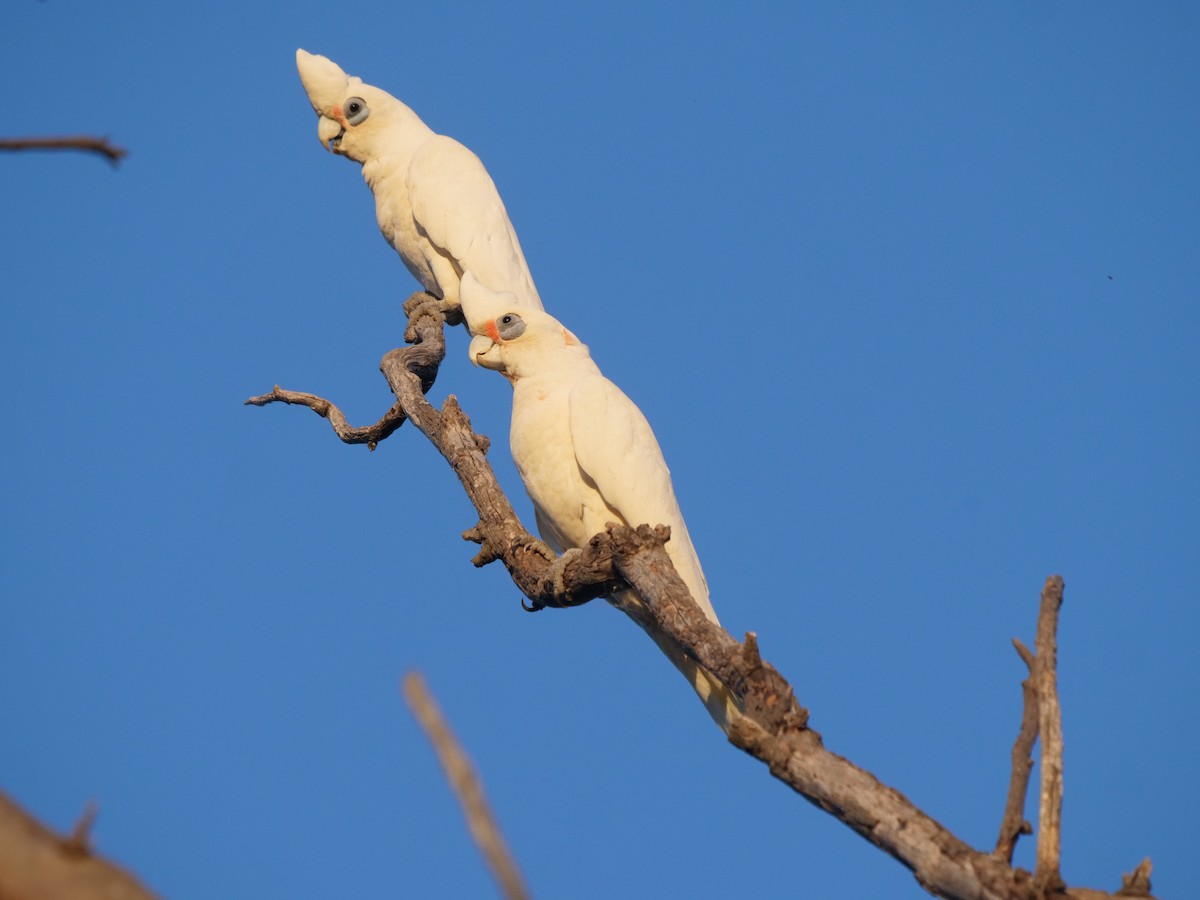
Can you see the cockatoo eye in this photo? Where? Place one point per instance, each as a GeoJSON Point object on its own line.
{"type": "Point", "coordinates": [510, 326]}
{"type": "Point", "coordinates": [356, 110]}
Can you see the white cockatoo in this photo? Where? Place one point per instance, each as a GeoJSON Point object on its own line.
{"type": "Point", "coordinates": [435, 202]}
{"type": "Point", "coordinates": [586, 453]}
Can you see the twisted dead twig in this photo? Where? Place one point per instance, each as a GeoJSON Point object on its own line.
{"type": "Point", "coordinates": [86, 143]}
{"type": "Point", "coordinates": [423, 358]}
{"type": "Point", "coordinates": [465, 783]}
{"type": "Point", "coordinates": [771, 725]}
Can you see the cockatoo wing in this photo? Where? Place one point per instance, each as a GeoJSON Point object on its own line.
{"type": "Point", "coordinates": [616, 449]}
{"type": "Point", "coordinates": [456, 205]}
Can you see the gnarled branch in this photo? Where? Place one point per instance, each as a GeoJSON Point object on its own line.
{"type": "Point", "coordinates": [422, 358]}
{"type": "Point", "coordinates": [771, 725]}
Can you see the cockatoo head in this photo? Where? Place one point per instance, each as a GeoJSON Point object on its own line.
{"type": "Point", "coordinates": [515, 340]}
{"type": "Point", "coordinates": [354, 117]}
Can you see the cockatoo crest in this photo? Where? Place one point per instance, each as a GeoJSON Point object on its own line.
{"type": "Point", "coordinates": [354, 117]}
{"type": "Point", "coordinates": [325, 82]}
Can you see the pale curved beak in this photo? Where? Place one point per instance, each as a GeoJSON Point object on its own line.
{"type": "Point", "coordinates": [330, 132]}
{"type": "Point", "coordinates": [485, 352]}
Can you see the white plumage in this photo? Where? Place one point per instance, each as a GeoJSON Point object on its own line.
{"type": "Point", "coordinates": [434, 200]}
{"type": "Point", "coordinates": [586, 453]}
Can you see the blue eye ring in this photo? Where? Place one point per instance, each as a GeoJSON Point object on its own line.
{"type": "Point", "coordinates": [356, 110]}
{"type": "Point", "coordinates": [510, 326]}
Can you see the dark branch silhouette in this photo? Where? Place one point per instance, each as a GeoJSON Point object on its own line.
{"type": "Point", "coordinates": [83, 142]}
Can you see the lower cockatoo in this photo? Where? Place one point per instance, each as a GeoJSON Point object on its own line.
{"type": "Point", "coordinates": [434, 200]}
{"type": "Point", "coordinates": [586, 453]}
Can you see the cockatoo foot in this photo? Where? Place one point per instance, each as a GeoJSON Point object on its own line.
{"type": "Point", "coordinates": [558, 568]}
{"type": "Point", "coordinates": [423, 303]}
{"type": "Point", "coordinates": [419, 299]}
{"type": "Point", "coordinates": [542, 549]}
{"type": "Point", "coordinates": [452, 312]}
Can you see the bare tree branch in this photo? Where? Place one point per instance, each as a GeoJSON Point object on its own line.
{"type": "Point", "coordinates": [424, 332]}
{"type": "Point", "coordinates": [1013, 825]}
{"type": "Point", "coordinates": [771, 726]}
{"type": "Point", "coordinates": [84, 142]}
{"type": "Point", "coordinates": [37, 864]}
{"type": "Point", "coordinates": [467, 786]}
{"type": "Point", "coordinates": [1046, 875]}
{"type": "Point", "coordinates": [370, 435]}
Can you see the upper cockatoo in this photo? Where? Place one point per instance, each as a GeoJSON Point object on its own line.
{"type": "Point", "coordinates": [586, 453]}
{"type": "Point", "coordinates": [435, 202]}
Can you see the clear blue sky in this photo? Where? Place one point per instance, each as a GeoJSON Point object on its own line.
{"type": "Point", "coordinates": [908, 292]}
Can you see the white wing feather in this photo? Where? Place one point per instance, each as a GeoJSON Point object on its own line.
{"type": "Point", "coordinates": [617, 450]}
{"type": "Point", "coordinates": [456, 205]}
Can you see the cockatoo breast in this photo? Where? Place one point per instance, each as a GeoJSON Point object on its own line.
{"type": "Point", "coordinates": [544, 454]}
{"type": "Point", "coordinates": [387, 177]}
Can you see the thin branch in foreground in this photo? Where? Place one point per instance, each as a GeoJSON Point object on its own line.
{"type": "Point", "coordinates": [1046, 875]}
{"type": "Point", "coordinates": [1014, 824]}
{"type": "Point", "coordinates": [83, 142]}
{"type": "Point", "coordinates": [466, 784]}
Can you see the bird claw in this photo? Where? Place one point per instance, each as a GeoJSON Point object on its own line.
{"type": "Point", "coordinates": [542, 549]}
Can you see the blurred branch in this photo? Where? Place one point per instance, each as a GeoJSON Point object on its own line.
{"type": "Point", "coordinates": [36, 863]}
{"type": "Point", "coordinates": [465, 783]}
{"type": "Point", "coordinates": [770, 724]}
{"type": "Point", "coordinates": [83, 142]}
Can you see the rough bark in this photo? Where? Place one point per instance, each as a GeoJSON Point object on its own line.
{"type": "Point", "coordinates": [1045, 681]}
